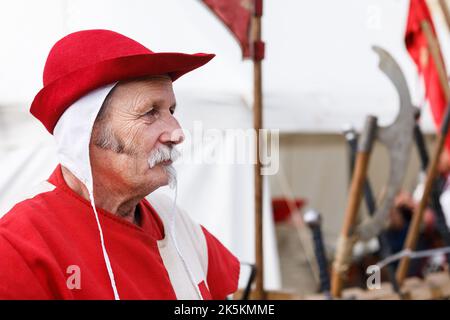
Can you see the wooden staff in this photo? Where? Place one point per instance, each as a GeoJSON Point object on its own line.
{"type": "Point", "coordinates": [413, 231]}
{"type": "Point", "coordinates": [257, 125]}
{"type": "Point", "coordinates": [446, 12]}
{"type": "Point", "coordinates": [435, 51]}
{"type": "Point", "coordinates": [345, 242]}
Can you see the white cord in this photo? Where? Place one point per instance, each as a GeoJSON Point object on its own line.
{"type": "Point", "coordinates": [105, 253]}
{"type": "Point", "coordinates": [412, 255]}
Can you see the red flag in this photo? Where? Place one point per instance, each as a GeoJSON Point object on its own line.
{"type": "Point", "coordinates": [236, 15]}
{"type": "Point", "coordinates": [282, 207]}
{"type": "Point", "coordinates": [417, 46]}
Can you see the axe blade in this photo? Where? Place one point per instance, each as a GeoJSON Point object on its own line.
{"type": "Point", "coordinates": [398, 139]}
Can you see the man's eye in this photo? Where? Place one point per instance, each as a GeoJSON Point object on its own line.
{"type": "Point", "coordinates": [152, 113]}
{"type": "Point", "coordinates": [172, 110]}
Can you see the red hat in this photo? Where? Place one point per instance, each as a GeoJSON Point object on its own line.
{"type": "Point", "coordinates": [85, 60]}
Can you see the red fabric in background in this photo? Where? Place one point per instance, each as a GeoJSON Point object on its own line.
{"type": "Point", "coordinates": [236, 15]}
{"type": "Point", "coordinates": [282, 210]}
{"type": "Point", "coordinates": [417, 46]}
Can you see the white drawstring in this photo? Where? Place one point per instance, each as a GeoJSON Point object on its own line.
{"type": "Point", "coordinates": [105, 253]}
{"type": "Point", "coordinates": [412, 255]}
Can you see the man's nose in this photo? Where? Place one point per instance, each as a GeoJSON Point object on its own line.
{"type": "Point", "coordinates": [174, 134]}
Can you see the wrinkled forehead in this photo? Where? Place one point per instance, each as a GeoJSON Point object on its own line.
{"type": "Point", "coordinates": [137, 95]}
{"type": "Point", "coordinates": [147, 79]}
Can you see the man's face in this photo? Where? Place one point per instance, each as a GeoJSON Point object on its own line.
{"type": "Point", "coordinates": [132, 128]}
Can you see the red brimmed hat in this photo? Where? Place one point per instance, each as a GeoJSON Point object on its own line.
{"type": "Point", "coordinates": [85, 60]}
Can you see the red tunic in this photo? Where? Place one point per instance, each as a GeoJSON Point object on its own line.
{"type": "Point", "coordinates": [51, 241]}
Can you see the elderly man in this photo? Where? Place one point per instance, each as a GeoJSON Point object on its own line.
{"type": "Point", "coordinates": [88, 232]}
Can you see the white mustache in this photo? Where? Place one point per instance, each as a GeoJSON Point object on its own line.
{"type": "Point", "coordinates": [163, 153]}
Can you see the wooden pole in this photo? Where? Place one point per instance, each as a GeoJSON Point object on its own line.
{"type": "Point", "coordinates": [345, 244]}
{"type": "Point", "coordinates": [413, 231]}
{"type": "Point", "coordinates": [446, 12]}
{"type": "Point", "coordinates": [257, 125]}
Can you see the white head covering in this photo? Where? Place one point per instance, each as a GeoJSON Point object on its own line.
{"type": "Point", "coordinates": [73, 134]}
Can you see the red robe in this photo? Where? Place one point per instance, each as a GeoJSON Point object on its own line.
{"type": "Point", "coordinates": [50, 249]}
